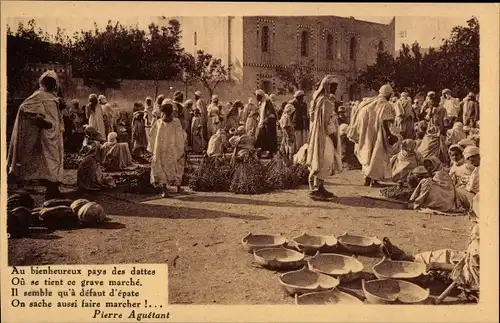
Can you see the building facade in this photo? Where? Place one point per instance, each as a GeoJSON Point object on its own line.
{"type": "Point", "coordinates": [256, 46]}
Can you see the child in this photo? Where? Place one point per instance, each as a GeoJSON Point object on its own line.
{"type": "Point", "coordinates": [167, 143]}
{"type": "Point", "coordinates": [288, 131]}
{"type": "Point", "coordinates": [460, 170]}
{"type": "Point", "coordinates": [197, 140]}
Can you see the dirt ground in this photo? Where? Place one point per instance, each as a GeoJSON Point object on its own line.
{"type": "Point", "coordinates": [199, 235]}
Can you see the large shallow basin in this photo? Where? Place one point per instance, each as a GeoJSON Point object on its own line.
{"type": "Point", "coordinates": [392, 291]}
{"type": "Point", "coordinates": [259, 241]}
{"type": "Point", "coordinates": [310, 244]}
{"type": "Point", "coordinates": [360, 244]}
{"type": "Point", "coordinates": [279, 258]}
{"type": "Point", "coordinates": [329, 297]}
{"type": "Point", "coordinates": [405, 270]}
{"type": "Point", "coordinates": [344, 268]}
{"type": "Point", "coordinates": [306, 281]}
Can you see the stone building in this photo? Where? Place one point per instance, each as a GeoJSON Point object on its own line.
{"type": "Point", "coordinates": [256, 46]}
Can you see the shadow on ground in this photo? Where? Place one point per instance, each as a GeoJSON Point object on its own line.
{"type": "Point", "coordinates": [114, 207]}
{"type": "Point", "coordinates": [240, 200]}
{"type": "Point", "coordinates": [360, 201]}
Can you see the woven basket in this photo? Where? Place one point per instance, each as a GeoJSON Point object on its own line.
{"type": "Point", "coordinates": [305, 281]}
{"type": "Point", "coordinates": [259, 241]}
{"type": "Point", "coordinates": [279, 258]}
{"type": "Point", "coordinates": [311, 244]}
{"type": "Point", "coordinates": [404, 270]}
{"type": "Point", "coordinates": [360, 244]}
{"type": "Point", "coordinates": [329, 297]}
{"type": "Point", "coordinates": [391, 291]}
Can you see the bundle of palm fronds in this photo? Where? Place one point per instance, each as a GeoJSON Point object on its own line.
{"type": "Point", "coordinates": [299, 174]}
{"type": "Point", "coordinates": [278, 175]}
{"type": "Point", "coordinates": [213, 175]}
{"type": "Point", "coordinates": [397, 192]}
{"type": "Point", "coordinates": [249, 175]}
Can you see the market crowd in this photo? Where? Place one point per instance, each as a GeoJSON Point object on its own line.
{"type": "Point", "coordinates": [429, 148]}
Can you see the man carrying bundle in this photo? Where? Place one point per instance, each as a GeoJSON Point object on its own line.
{"type": "Point", "coordinates": [323, 154]}
{"type": "Point", "coordinates": [370, 131]}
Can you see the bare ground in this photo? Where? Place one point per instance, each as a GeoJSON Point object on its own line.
{"type": "Point", "coordinates": [199, 235]}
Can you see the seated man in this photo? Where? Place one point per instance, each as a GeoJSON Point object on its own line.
{"type": "Point", "coordinates": [471, 155]}
{"type": "Point", "coordinates": [116, 155]}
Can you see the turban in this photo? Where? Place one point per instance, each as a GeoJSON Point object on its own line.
{"type": "Point", "coordinates": [197, 93]}
{"type": "Point", "coordinates": [49, 74]}
{"type": "Point", "coordinates": [149, 99]}
{"type": "Point", "coordinates": [215, 97]}
{"type": "Point", "coordinates": [470, 151]}
{"type": "Point", "coordinates": [466, 142]}
{"type": "Point", "coordinates": [404, 94]}
{"type": "Point", "coordinates": [298, 93]}
{"type": "Point", "coordinates": [260, 92]}
{"type": "Point", "coordinates": [471, 95]}
{"type": "Point", "coordinates": [102, 99]}
{"type": "Point", "coordinates": [327, 80]}
{"type": "Point", "coordinates": [92, 97]}
{"type": "Point", "coordinates": [343, 129]}
{"type": "Point", "coordinates": [237, 103]}
{"type": "Point", "coordinates": [272, 97]}
{"type": "Point", "coordinates": [431, 93]}
{"type": "Point", "coordinates": [385, 90]}
{"type": "Point", "coordinates": [446, 91]}
{"type": "Point", "coordinates": [452, 147]}
{"type": "Point", "coordinates": [167, 101]}
{"type": "Point", "coordinates": [241, 129]}
{"type": "Point", "coordinates": [188, 102]}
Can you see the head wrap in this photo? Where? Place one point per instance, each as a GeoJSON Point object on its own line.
{"type": "Point", "coordinates": [465, 143]}
{"type": "Point", "coordinates": [260, 92]}
{"type": "Point", "coordinates": [385, 90]}
{"type": "Point", "coordinates": [49, 74]}
{"type": "Point", "coordinates": [112, 137]}
{"type": "Point", "coordinates": [431, 93]}
{"type": "Point", "coordinates": [289, 108]}
{"type": "Point", "coordinates": [241, 130]}
{"type": "Point", "coordinates": [178, 95]}
{"type": "Point", "coordinates": [298, 93]}
{"type": "Point", "coordinates": [471, 95]}
{"type": "Point", "coordinates": [149, 99]}
{"type": "Point", "coordinates": [452, 147]}
{"type": "Point", "coordinates": [466, 128]}
{"type": "Point", "coordinates": [446, 91]}
{"type": "Point", "coordinates": [323, 85]}
{"type": "Point", "coordinates": [102, 99]}
{"type": "Point", "coordinates": [160, 98]}
{"type": "Point", "coordinates": [470, 151]}
{"type": "Point", "coordinates": [188, 102]}
{"type": "Point", "coordinates": [404, 94]}
{"type": "Point", "coordinates": [238, 104]}
{"type": "Point", "coordinates": [343, 129]}
{"type": "Point", "coordinates": [198, 93]}
{"type": "Point", "coordinates": [215, 97]}
{"type": "Point", "coordinates": [92, 96]}
{"type": "Point", "coordinates": [273, 97]}
{"type": "Point", "coordinates": [167, 101]}
{"type": "Point", "coordinates": [458, 126]}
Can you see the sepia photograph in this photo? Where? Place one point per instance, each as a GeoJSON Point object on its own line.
{"type": "Point", "coordinates": [267, 159]}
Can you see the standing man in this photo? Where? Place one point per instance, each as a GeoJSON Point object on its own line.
{"type": "Point", "coordinates": [201, 105]}
{"type": "Point", "coordinates": [470, 111]}
{"type": "Point", "coordinates": [299, 119]}
{"type": "Point", "coordinates": [36, 149]}
{"type": "Point", "coordinates": [452, 105]}
{"type": "Point", "coordinates": [370, 131]}
{"type": "Point", "coordinates": [266, 133]}
{"type": "Point", "coordinates": [324, 152]}
{"type": "Point", "coordinates": [404, 116]}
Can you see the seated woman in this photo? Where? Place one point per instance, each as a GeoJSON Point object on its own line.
{"type": "Point", "coordinates": [242, 143]}
{"type": "Point", "coordinates": [460, 170]}
{"type": "Point", "coordinates": [90, 175]}
{"type": "Point", "coordinates": [454, 135]}
{"type": "Point", "coordinates": [116, 155]}
{"type": "Point", "coordinates": [437, 192]}
{"type": "Point", "coordinates": [433, 145]}
{"type": "Point", "coordinates": [462, 265]}
{"type": "Point", "coordinates": [217, 143]}
{"type": "Point", "coordinates": [405, 161]}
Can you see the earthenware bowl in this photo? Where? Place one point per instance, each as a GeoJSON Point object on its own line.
{"type": "Point", "coordinates": [329, 297]}
{"type": "Point", "coordinates": [359, 244]}
{"type": "Point", "coordinates": [392, 291]}
{"type": "Point", "coordinates": [310, 244]}
{"type": "Point", "coordinates": [344, 268]}
{"type": "Point", "coordinates": [404, 270]}
{"type": "Point", "coordinates": [305, 281]}
{"type": "Point", "coordinates": [259, 241]}
{"type": "Point", "coordinates": [279, 258]}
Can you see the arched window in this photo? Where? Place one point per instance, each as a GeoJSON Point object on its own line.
{"type": "Point", "coordinates": [329, 47]}
{"type": "Point", "coordinates": [265, 39]}
{"type": "Point", "coordinates": [381, 46]}
{"type": "Point", "coordinates": [352, 49]}
{"type": "Point", "coordinates": [304, 44]}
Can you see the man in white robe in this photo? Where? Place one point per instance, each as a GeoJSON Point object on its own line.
{"type": "Point", "coordinates": [370, 131]}
{"type": "Point", "coordinates": [36, 149]}
{"type": "Point", "coordinates": [324, 150]}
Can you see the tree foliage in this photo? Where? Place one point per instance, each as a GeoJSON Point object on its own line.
{"type": "Point", "coordinates": [296, 77]}
{"type": "Point", "coordinates": [103, 57]}
{"type": "Point", "coordinates": [454, 65]}
{"type": "Point", "coordinates": [209, 70]}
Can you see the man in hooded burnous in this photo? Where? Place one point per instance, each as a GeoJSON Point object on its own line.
{"type": "Point", "coordinates": [323, 153]}
{"type": "Point", "coordinates": [370, 131]}
{"type": "Point", "coordinates": [36, 147]}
